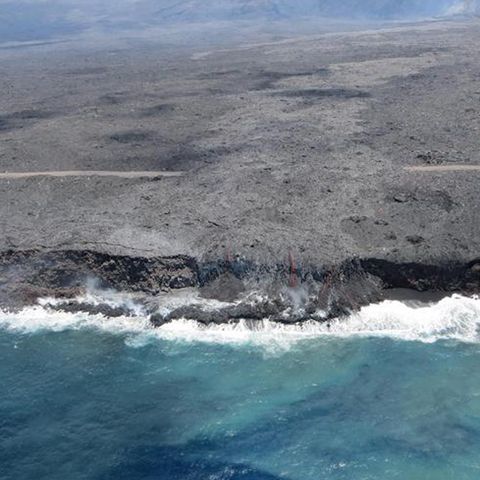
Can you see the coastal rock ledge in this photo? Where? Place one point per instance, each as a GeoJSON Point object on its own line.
{"type": "Point", "coordinates": [240, 289]}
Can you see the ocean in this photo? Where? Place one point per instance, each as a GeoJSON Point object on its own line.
{"type": "Point", "coordinates": [392, 392]}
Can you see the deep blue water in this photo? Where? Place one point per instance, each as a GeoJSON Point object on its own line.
{"type": "Point", "coordinates": [87, 404]}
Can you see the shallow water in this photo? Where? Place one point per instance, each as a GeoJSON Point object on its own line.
{"type": "Point", "coordinates": [92, 398]}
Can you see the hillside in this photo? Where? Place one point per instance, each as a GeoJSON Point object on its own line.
{"type": "Point", "coordinates": [25, 20]}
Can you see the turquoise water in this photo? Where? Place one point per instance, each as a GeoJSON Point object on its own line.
{"type": "Point", "coordinates": [85, 403]}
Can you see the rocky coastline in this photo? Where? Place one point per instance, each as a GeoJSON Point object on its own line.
{"type": "Point", "coordinates": [295, 180]}
{"type": "Point", "coordinates": [288, 293]}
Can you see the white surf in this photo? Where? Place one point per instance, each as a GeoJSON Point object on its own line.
{"type": "Point", "coordinates": [456, 317]}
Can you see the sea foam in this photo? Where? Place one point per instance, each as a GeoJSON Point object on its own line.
{"type": "Point", "coordinates": [456, 317]}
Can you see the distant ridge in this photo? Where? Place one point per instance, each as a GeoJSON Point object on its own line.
{"type": "Point", "coordinates": [198, 10]}
{"type": "Point", "coordinates": [24, 20]}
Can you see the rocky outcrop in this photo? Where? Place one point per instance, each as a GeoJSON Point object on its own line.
{"type": "Point", "coordinates": [32, 273]}
{"type": "Point", "coordinates": [242, 290]}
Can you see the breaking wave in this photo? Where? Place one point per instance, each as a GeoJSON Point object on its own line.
{"type": "Point", "coordinates": [456, 317]}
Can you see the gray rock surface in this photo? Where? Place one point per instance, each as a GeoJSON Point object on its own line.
{"type": "Point", "coordinates": [294, 146]}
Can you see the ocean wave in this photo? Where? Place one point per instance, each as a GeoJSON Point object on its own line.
{"type": "Point", "coordinates": [456, 317]}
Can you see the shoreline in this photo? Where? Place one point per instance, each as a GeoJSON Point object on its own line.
{"type": "Point", "coordinates": [238, 289]}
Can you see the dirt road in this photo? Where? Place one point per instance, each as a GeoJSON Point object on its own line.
{"type": "Point", "coordinates": [444, 168]}
{"type": "Point", "coordinates": [88, 173]}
